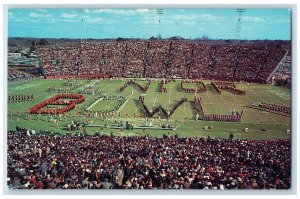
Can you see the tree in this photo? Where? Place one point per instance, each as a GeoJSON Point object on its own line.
{"type": "Point", "coordinates": [43, 42]}
{"type": "Point", "coordinates": [120, 39]}
{"type": "Point", "coordinates": [204, 37]}
{"type": "Point", "coordinates": [32, 47]}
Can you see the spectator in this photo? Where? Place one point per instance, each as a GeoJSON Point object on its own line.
{"type": "Point", "coordinates": [251, 61]}
{"type": "Point", "coordinates": [111, 162]}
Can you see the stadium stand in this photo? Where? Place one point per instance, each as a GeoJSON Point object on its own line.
{"type": "Point", "coordinates": [17, 75]}
{"type": "Point", "coordinates": [47, 160]}
{"type": "Point", "coordinates": [249, 61]}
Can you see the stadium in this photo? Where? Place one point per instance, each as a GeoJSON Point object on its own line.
{"type": "Point", "coordinates": [152, 113]}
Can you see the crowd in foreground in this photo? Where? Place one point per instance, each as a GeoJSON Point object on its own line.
{"type": "Point", "coordinates": [54, 161]}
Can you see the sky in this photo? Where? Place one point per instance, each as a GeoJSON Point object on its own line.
{"type": "Point", "coordinates": [143, 23]}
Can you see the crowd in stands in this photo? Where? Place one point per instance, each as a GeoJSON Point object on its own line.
{"type": "Point", "coordinates": [250, 61]}
{"type": "Point", "coordinates": [282, 74]}
{"type": "Point", "coordinates": [54, 161]}
{"type": "Point", "coordinates": [16, 75]}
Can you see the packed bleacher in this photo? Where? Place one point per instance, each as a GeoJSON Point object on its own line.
{"type": "Point", "coordinates": [17, 75]}
{"type": "Point", "coordinates": [282, 74]}
{"type": "Point", "coordinates": [250, 61]}
{"type": "Point", "coordinates": [47, 160]}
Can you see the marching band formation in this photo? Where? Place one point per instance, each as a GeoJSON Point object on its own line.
{"type": "Point", "coordinates": [229, 86]}
{"type": "Point", "coordinates": [274, 108]}
{"type": "Point", "coordinates": [163, 88]}
{"type": "Point", "coordinates": [216, 87]}
{"type": "Point", "coordinates": [20, 98]}
{"type": "Point", "coordinates": [60, 99]}
{"type": "Point", "coordinates": [234, 117]}
{"type": "Point", "coordinates": [159, 108]}
{"type": "Point", "coordinates": [201, 88]}
{"type": "Point", "coordinates": [134, 84]}
{"type": "Point", "coordinates": [69, 100]}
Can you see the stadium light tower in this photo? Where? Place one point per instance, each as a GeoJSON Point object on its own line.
{"type": "Point", "coordinates": [159, 12]}
{"type": "Point", "coordinates": [239, 23]}
{"type": "Point", "coordinates": [82, 27]}
{"type": "Point", "coordinates": [237, 38]}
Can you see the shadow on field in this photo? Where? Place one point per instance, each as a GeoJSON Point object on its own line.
{"type": "Point", "coordinates": [178, 88]}
{"type": "Point", "coordinates": [195, 111]}
{"type": "Point", "coordinates": [210, 88]}
{"type": "Point", "coordinates": [158, 87]}
{"type": "Point", "coordinates": [139, 106]}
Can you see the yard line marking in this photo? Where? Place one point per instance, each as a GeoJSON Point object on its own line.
{"type": "Point", "coordinates": [155, 99]}
{"type": "Point", "coordinates": [261, 98]}
{"type": "Point", "coordinates": [212, 103]}
{"type": "Point", "coordinates": [240, 104]}
{"type": "Point", "coordinates": [88, 108]}
{"type": "Point", "coordinates": [225, 102]}
{"type": "Point", "coordinates": [117, 97]}
{"type": "Point", "coordinates": [184, 106]}
{"type": "Point", "coordinates": [180, 124]}
{"type": "Point", "coordinates": [270, 95]}
{"type": "Point", "coordinates": [170, 88]}
{"type": "Point", "coordinates": [125, 103]}
{"type": "Point", "coordinates": [234, 97]}
{"type": "Point", "coordinates": [100, 99]}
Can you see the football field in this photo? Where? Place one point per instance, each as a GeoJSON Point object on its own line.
{"type": "Point", "coordinates": [260, 124]}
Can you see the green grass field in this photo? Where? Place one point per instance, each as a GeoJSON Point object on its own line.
{"type": "Point", "coordinates": [261, 125]}
{"type": "Point", "coordinates": [104, 105]}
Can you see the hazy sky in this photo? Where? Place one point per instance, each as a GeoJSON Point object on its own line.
{"type": "Point", "coordinates": [144, 23]}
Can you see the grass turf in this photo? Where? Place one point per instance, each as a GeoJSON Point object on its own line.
{"type": "Point", "coordinates": [261, 125]}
